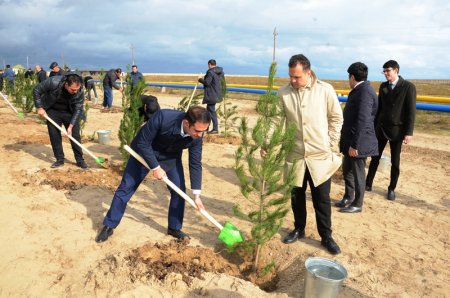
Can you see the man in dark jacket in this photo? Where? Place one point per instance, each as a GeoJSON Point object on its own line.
{"type": "Point", "coordinates": [161, 142]}
{"type": "Point", "coordinates": [55, 70]}
{"type": "Point", "coordinates": [40, 73]}
{"type": "Point", "coordinates": [358, 138]}
{"type": "Point", "coordinates": [136, 76]}
{"type": "Point", "coordinates": [213, 91]}
{"type": "Point", "coordinates": [394, 122]}
{"type": "Point", "coordinates": [61, 99]}
{"type": "Point", "coordinates": [89, 84]}
{"type": "Point", "coordinates": [109, 82]}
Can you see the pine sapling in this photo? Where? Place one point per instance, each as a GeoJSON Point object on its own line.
{"type": "Point", "coordinates": [261, 178]}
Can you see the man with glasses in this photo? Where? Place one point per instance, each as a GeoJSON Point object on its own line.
{"type": "Point", "coordinates": [394, 122]}
{"type": "Point", "coordinates": [161, 142]}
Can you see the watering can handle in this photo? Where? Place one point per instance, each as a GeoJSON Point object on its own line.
{"type": "Point", "coordinates": [6, 99]}
{"type": "Point", "coordinates": [70, 137]}
{"type": "Point", "coordinates": [175, 188]}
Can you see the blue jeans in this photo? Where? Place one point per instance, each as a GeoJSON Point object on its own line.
{"type": "Point", "coordinates": [107, 97]}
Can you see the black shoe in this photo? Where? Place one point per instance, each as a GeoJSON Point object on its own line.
{"type": "Point", "coordinates": [293, 236]}
{"type": "Point", "coordinates": [104, 234]}
{"type": "Point", "coordinates": [82, 164]}
{"type": "Point", "coordinates": [350, 209]}
{"type": "Point", "coordinates": [177, 234]}
{"type": "Point", "coordinates": [330, 245]}
{"type": "Point", "coordinates": [212, 132]}
{"type": "Point", "coordinates": [343, 203]}
{"type": "Point", "coordinates": [368, 188]}
{"type": "Point", "coordinates": [391, 195]}
{"type": "Point", "coordinates": [57, 164]}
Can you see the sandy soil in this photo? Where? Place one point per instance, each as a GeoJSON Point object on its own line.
{"type": "Point", "coordinates": [49, 219]}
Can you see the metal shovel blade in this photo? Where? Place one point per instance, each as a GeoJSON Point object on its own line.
{"type": "Point", "coordinates": [230, 235]}
{"type": "Point", "coordinates": [20, 115]}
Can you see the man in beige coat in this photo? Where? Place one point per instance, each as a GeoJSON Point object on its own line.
{"type": "Point", "coordinates": [314, 107]}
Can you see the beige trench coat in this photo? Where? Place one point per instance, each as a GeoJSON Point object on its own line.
{"type": "Point", "coordinates": [318, 115]}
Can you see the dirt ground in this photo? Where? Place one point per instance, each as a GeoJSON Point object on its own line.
{"type": "Point", "coordinates": [50, 217]}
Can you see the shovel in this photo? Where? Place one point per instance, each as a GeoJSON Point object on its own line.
{"type": "Point", "coordinates": [229, 234]}
{"type": "Point", "coordinates": [19, 114]}
{"type": "Point", "coordinates": [99, 160]}
{"type": "Point", "coordinates": [192, 96]}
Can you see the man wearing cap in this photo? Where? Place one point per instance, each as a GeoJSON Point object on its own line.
{"type": "Point", "coordinates": [61, 99]}
{"type": "Point", "coordinates": [55, 70]}
{"type": "Point", "coordinates": [109, 82]}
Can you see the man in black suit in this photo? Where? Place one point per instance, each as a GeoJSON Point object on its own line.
{"type": "Point", "coordinates": [161, 142]}
{"type": "Point", "coordinates": [358, 138]}
{"type": "Point", "coordinates": [394, 122]}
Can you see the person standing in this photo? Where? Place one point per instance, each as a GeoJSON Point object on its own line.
{"type": "Point", "coordinates": [29, 74]}
{"type": "Point", "coordinates": [1, 79]}
{"type": "Point", "coordinates": [212, 83]}
{"type": "Point", "coordinates": [136, 76]}
{"type": "Point", "coordinates": [61, 99]}
{"type": "Point", "coordinates": [10, 76]}
{"type": "Point", "coordinates": [161, 142]}
{"type": "Point", "coordinates": [358, 138]}
{"type": "Point", "coordinates": [89, 84]}
{"type": "Point", "coordinates": [394, 122]}
{"type": "Point", "coordinates": [55, 70]}
{"type": "Point", "coordinates": [312, 105]}
{"type": "Point", "coordinates": [109, 82]}
{"type": "Point", "coordinates": [40, 73]}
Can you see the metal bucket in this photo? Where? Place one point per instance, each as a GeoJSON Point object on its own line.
{"type": "Point", "coordinates": [103, 136]}
{"type": "Point", "coordinates": [323, 278]}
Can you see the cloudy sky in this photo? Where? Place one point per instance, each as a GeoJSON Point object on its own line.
{"type": "Point", "coordinates": [175, 36]}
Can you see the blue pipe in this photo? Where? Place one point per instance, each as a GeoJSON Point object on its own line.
{"type": "Point", "coordinates": [419, 106]}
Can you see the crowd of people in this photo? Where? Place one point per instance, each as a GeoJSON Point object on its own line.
{"type": "Point", "coordinates": [326, 137]}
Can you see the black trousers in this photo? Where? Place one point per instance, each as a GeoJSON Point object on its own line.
{"type": "Point", "coordinates": [321, 202]}
{"type": "Point", "coordinates": [396, 149]}
{"type": "Point", "coordinates": [212, 112]}
{"type": "Point", "coordinates": [355, 179]}
{"type": "Point", "coordinates": [89, 87]}
{"type": "Point", "coordinates": [63, 118]}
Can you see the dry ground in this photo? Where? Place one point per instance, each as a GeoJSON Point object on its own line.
{"type": "Point", "coordinates": [49, 219]}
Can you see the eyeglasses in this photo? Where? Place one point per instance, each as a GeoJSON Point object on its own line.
{"type": "Point", "coordinates": [386, 70]}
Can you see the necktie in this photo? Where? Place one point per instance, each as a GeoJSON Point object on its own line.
{"type": "Point", "coordinates": [391, 86]}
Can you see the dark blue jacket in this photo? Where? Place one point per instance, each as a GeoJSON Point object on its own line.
{"type": "Point", "coordinates": [160, 143]}
{"type": "Point", "coordinates": [47, 93]}
{"type": "Point", "coordinates": [136, 78]}
{"type": "Point", "coordinates": [212, 85]}
{"type": "Point", "coordinates": [110, 78]}
{"type": "Point", "coordinates": [358, 130]}
{"type": "Point", "coordinates": [41, 76]}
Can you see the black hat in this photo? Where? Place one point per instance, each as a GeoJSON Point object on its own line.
{"type": "Point", "coordinates": [53, 65]}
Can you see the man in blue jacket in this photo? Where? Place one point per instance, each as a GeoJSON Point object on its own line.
{"type": "Point", "coordinates": [358, 139]}
{"type": "Point", "coordinates": [61, 99]}
{"type": "Point", "coordinates": [161, 142]}
{"type": "Point", "coordinates": [212, 83]}
{"type": "Point", "coordinates": [136, 76]}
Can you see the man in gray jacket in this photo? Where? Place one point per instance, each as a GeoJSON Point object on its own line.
{"type": "Point", "coordinates": [61, 99]}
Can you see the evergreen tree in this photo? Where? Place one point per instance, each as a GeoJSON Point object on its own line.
{"type": "Point", "coordinates": [23, 91]}
{"type": "Point", "coordinates": [132, 120]}
{"type": "Point", "coordinates": [261, 179]}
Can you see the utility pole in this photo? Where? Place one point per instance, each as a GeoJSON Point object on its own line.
{"type": "Point", "coordinates": [132, 55]}
{"type": "Point", "coordinates": [62, 58]}
{"type": "Point", "coordinates": [27, 62]}
{"type": "Point", "coordinates": [274, 42]}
